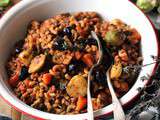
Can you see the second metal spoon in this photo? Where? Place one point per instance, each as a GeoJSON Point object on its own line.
{"type": "Point", "coordinates": [117, 107]}
{"type": "Point", "coordinates": [118, 112]}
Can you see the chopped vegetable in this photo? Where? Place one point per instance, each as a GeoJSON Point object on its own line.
{"type": "Point", "coordinates": [60, 44]}
{"type": "Point", "coordinates": [67, 31]}
{"type": "Point", "coordinates": [57, 70]}
{"type": "Point", "coordinates": [27, 83]}
{"type": "Point", "coordinates": [25, 57]}
{"type": "Point", "coordinates": [124, 86]}
{"type": "Point", "coordinates": [88, 59]}
{"type": "Point", "coordinates": [47, 78]}
{"type": "Point", "coordinates": [55, 83]}
{"type": "Point", "coordinates": [23, 73]}
{"type": "Point", "coordinates": [4, 3]}
{"type": "Point", "coordinates": [147, 5]}
{"type": "Point", "coordinates": [114, 37]}
{"type": "Point", "coordinates": [62, 57]}
{"type": "Point", "coordinates": [63, 84]}
{"type": "Point", "coordinates": [77, 86]}
{"type": "Point", "coordinates": [135, 37]}
{"type": "Point", "coordinates": [37, 63]}
{"type": "Point", "coordinates": [14, 80]}
{"type": "Point", "coordinates": [95, 104]}
{"type": "Point", "coordinates": [22, 88]}
{"type": "Point", "coordinates": [81, 103]}
{"type": "Point", "coordinates": [74, 67]}
{"type": "Point", "coordinates": [116, 71]}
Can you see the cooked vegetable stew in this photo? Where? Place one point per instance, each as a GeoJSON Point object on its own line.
{"type": "Point", "coordinates": [48, 69]}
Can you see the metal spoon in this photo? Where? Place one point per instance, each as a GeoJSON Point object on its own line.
{"type": "Point", "coordinates": [118, 112]}
{"type": "Point", "coordinates": [89, 100]}
{"type": "Point", "coordinates": [117, 108]}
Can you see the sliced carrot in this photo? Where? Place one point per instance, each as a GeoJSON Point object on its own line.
{"type": "Point", "coordinates": [88, 59]}
{"type": "Point", "coordinates": [81, 103]}
{"type": "Point", "coordinates": [78, 55]}
{"type": "Point", "coordinates": [47, 78]}
{"type": "Point", "coordinates": [13, 81]}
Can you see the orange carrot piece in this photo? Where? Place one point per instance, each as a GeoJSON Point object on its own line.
{"type": "Point", "coordinates": [88, 59]}
{"type": "Point", "coordinates": [81, 103]}
{"type": "Point", "coordinates": [47, 78]}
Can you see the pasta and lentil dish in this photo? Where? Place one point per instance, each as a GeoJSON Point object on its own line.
{"type": "Point", "coordinates": [48, 69]}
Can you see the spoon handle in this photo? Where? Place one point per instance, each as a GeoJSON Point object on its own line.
{"type": "Point", "coordinates": [118, 112]}
{"type": "Point", "coordinates": [89, 100]}
{"type": "Point", "coordinates": [90, 108]}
